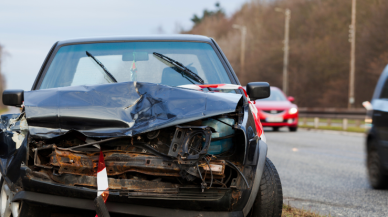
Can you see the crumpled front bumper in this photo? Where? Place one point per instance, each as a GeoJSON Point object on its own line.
{"type": "Point", "coordinates": [113, 207]}
{"type": "Point", "coordinates": [39, 190]}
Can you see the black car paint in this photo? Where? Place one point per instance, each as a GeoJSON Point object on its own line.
{"type": "Point", "coordinates": [119, 109]}
{"type": "Point", "coordinates": [38, 77]}
{"type": "Point", "coordinates": [227, 64]}
{"type": "Point", "coordinates": [379, 130]}
{"type": "Point", "coordinates": [121, 208]}
{"type": "Point", "coordinates": [12, 158]}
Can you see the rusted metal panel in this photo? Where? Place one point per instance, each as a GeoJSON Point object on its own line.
{"type": "Point", "coordinates": [117, 162]}
{"type": "Point", "coordinates": [118, 184]}
{"type": "Point", "coordinates": [216, 166]}
{"type": "Point", "coordinates": [235, 197]}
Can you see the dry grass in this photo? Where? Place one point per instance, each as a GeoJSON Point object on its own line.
{"type": "Point", "coordinates": [289, 211]}
{"type": "Point", "coordinates": [3, 110]}
{"type": "Point", "coordinates": [350, 129]}
{"type": "Point", "coordinates": [325, 120]}
{"type": "Point", "coordinates": [353, 125]}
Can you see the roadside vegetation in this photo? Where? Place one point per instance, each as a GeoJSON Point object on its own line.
{"type": "Point", "coordinates": [2, 110]}
{"type": "Point", "coordinates": [350, 129]}
{"type": "Point", "coordinates": [289, 211]}
{"type": "Point", "coordinates": [2, 79]}
{"type": "Point", "coordinates": [319, 47]}
{"type": "Point", "coordinates": [335, 121]}
{"type": "Point", "coordinates": [333, 124]}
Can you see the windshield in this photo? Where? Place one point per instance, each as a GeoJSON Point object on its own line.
{"type": "Point", "coordinates": [276, 95]}
{"type": "Point", "coordinates": [133, 61]}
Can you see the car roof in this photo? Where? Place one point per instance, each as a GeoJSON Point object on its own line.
{"type": "Point", "coordinates": [176, 37]}
{"type": "Point", "coordinates": [380, 83]}
{"type": "Point", "coordinates": [276, 88]}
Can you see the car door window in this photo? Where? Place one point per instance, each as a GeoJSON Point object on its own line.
{"type": "Point", "coordinates": [384, 91]}
{"type": "Point", "coordinates": [72, 67]}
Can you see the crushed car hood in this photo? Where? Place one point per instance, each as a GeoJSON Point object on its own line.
{"type": "Point", "coordinates": [119, 109]}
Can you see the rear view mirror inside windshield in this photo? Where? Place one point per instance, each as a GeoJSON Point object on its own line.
{"type": "Point", "coordinates": [137, 56]}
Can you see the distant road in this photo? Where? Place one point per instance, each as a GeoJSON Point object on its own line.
{"type": "Point", "coordinates": [325, 172]}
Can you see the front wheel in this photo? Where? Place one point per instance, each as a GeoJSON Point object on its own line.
{"type": "Point", "coordinates": [269, 199]}
{"type": "Point", "coordinates": [293, 129]}
{"type": "Point", "coordinates": [7, 207]}
{"type": "Point", "coordinates": [376, 174]}
{"type": "Point", "coordinates": [16, 209]}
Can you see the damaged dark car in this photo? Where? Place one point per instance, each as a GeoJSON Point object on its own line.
{"type": "Point", "coordinates": [142, 126]}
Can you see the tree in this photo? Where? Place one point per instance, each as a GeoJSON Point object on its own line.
{"type": "Point", "coordinates": [217, 12]}
{"type": "Point", "coordinates": [2, 80]}
{"type": "Point", "coordinates": [319, 47]}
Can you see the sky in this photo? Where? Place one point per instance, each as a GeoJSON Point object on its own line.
{"type": "Point", "coordinates": [28, 29]}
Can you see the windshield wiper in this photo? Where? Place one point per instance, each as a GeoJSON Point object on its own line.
{"type": "Point", "coordinates": [110, 76]}
{"type": "Point", "coordinates": [180, 68]}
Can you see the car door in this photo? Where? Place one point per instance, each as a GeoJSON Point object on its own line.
{"type": "Point", "coordinates": [380, 121]}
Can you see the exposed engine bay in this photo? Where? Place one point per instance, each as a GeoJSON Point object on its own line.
{"type": "Point", "coordinates": [195, 154]}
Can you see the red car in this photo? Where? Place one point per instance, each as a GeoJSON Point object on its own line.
{"type": "Point", "coordinates": [278, 111]}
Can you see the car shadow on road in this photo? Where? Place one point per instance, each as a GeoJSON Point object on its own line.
{"type": "Point", "coordinates": [280, 130]}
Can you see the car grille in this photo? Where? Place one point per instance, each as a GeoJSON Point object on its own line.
{"type": "Point", "coordinates": [273, 111]}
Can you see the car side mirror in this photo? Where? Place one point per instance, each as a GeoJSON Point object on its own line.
{"type": "Point", "coordinates": [258, 90]}
{"type": "Point", "coordinates": [13, 97]}
{"type": "Point", "coordinates": [291, 99]}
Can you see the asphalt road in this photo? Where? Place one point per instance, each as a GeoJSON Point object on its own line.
{"type": "Point", "coordinates": [325, 172]}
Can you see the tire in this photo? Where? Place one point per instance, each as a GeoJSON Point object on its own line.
{"type": "Point", "coordinates": [293, 129]}
{"type": "Point", "coordinates": [5, 200]}
{"type": "Point", "coordinates": [376, 173]}
{"type": "Point", "coordinates": [275, 129]}
{"type": "Point", "coordinates": [25, 209]}
{"type": "Point", "coordinates": [269, 199]}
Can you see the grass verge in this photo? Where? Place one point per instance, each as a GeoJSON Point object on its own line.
{"type": "Point", "coordinates": [289, 211]}
{"type": "Point", "coordinates": [350, 129]}
{"type": "Point", "coordinates": [3, 110]}
{"type": "Point", "coordinates": [338, 121]}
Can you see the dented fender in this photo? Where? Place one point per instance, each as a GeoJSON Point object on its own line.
{"type": "Point", "coordinates": [262, 151]}
{"type": "Point", "coordinates": [13, 145]}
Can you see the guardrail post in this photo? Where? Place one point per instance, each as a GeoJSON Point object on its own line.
{"type": "Point", "coordinates": [304, 121]}
{"type": "Point", "coordinates": [345, 124]}
{"type": "Point", "coordinates": [329, 122]}
{"type": "Point", "coordinates": [358, 123]}
{"type": "Point", "coordinates": [316, 122]}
